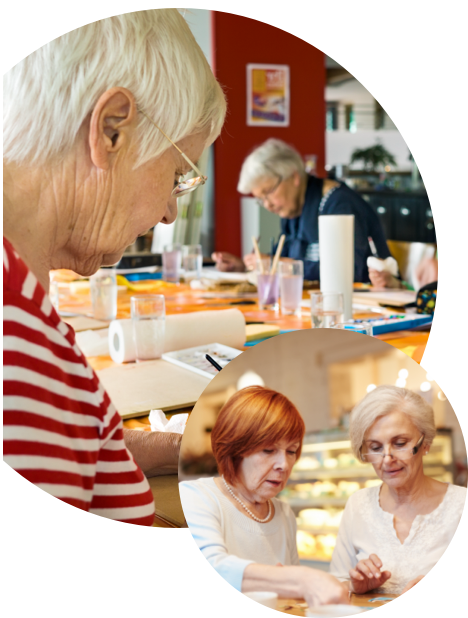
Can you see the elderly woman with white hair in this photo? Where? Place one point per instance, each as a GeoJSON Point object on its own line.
{"type": "Point", "coordinates": [100, 126]}
{"type": "Point", "coordinates": [392, 534]}
{"type": "Point", "coordinates": [275, 174]}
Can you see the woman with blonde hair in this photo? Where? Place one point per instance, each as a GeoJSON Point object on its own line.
{"type": "Point", "coordinates": [245, 532]}
{"type": "Point", "coordinates": [100, 126]}
{"type": "Point", "coordinates": [392, 534]}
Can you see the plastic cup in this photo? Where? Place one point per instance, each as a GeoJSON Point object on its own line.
{"type": "Point", "coordinates": [148, 323]}
{"type": "Point", "coordinates": [362, 327]}
{"type": "Point", "coordinates": [267, 286]}
{"type": "Point", "coordinates": [192, 261]}
{"type": "Point", "coordinates": [326, 309]}
{"type": "Point", "coordinates": [103, 288]}
{"type": "Point", "coordinates": [172, 262]}
{"type": "Point", "coordinates": [291, 282]}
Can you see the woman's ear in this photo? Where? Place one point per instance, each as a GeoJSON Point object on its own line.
{"type": "Point", "coordinates": [113, 122]}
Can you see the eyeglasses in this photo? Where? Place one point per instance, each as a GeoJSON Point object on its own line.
{"type": "Point", "coordinates": [187, 185]}
{"type": "Point", "coordinates": [396, 452]}
{"type": "Point", "coordinates": [261, 200]}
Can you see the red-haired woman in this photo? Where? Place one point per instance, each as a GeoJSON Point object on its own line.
{"type": "Point", "coordinates": [242, 529]}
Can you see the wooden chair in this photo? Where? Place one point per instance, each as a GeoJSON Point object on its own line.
{"type": "Point", "coordinates": [409, 255]}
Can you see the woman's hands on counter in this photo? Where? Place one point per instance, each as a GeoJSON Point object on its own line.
{"type": "Point", "coordinates": [367, 575]}
{"type": "Point", "coordinates": [295, 582]}
{"type": "Point", "coordinates": [320, 588]}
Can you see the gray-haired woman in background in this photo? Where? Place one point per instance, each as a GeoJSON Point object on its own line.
{"type": "Point", "coordinates": [100, 125]}
{"type": "Point", "coordinates": [391, 535]}
{"type": "Point", "coordinates": [275, 174]}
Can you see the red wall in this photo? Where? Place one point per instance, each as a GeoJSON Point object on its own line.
{"type": "Point", "coordinates": [238, 41]}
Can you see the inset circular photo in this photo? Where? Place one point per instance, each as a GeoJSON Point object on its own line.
{"type": "Point", "coordinates": [323, 472]}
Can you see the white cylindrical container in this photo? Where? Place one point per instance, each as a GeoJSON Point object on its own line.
{"type": "Point", "coordinates": [336, 246]}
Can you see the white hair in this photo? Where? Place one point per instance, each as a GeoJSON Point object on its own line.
{"type": "Point", "coordinates": [384, 400]}
{"type": "Point", "coordinates": [272, 159]}
{"type": "Point", "coordinates": [49, 94]}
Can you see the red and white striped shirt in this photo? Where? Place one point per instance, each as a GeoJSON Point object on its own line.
{"type": "Point", "coordinates": [61, 431]}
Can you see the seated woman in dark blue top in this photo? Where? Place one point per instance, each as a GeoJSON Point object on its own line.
{"type": "Point", "coordinates": [274, 173]}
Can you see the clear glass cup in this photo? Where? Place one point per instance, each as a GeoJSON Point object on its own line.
{"type": "Point", "coordinates": [326, 309]}
{"type": "Point", "coordinates": [362, 327]}
{"type": "Point", "coordinates": [148, 322]}
{"type": "Point", "coordinates": [267, 285]}
{"type": "Point", "coordinates": [172, 262]}
{"type": "Point", "coordinates": [103, 288]}
{"type": "Point", "coordinates": [291, 282]}
{"type": "Point", "coordinates": [192, 261]}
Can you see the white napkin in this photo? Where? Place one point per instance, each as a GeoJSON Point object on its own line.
{"type": "Point", "coordinates": [93, 342]}
{"type": "Point", "coordinates": [388, 265]}
{"type": "Point", "coordinates": [159, 422]}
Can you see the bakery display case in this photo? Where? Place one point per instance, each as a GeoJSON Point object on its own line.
{"type": "Point", "coordinates": [324, 477]}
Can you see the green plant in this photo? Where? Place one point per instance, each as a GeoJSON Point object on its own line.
{"type": "Point", "coordinates": [373, 157]}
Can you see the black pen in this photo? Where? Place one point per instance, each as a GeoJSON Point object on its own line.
{"type": "Point", "coordinates": [213, 362]}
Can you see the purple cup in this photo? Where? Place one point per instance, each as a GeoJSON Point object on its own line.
{"type": "Point", "coordinates": [268, 291]}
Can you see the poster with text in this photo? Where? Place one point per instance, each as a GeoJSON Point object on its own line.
{"type": "Point", "coordinates": [267, 95]}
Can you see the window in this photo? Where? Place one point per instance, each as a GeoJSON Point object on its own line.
{"type": "Point", "coordinates": [332, 116]}
{"type": "Point", "coordinates": [350, 118]}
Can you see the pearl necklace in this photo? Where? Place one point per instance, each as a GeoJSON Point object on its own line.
{"type": "Point", "coordinates": [260, 521]}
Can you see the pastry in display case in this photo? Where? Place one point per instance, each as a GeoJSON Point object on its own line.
{"type": "Point", "coordinates": [324, 477]}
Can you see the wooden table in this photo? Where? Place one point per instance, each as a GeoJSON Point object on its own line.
{"type": "Point", "coordinates": [297, 607]}
{"type": "Point", "coordinates": [181, 299]}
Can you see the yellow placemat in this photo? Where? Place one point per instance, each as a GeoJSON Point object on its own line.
{"type": "Point", "coordinates": [260, 331]}
{"type": "Point", "coordinates": [147, 285]}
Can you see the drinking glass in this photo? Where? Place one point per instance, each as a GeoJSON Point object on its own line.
{"type": "Point", "coordinates": [192, 261]}
{"type": "Point", "coordinates": [326, 308]}
{"type": "Point", "coordinates": [172, 262]}
{"type": "Point", "coordinates": [291, 281]}
{"type": "Point", "coordinates": [362, 327]}
{"type": "Point", "coordinates": [148, 323]}
{"type": "Point", "coordinates": [267, 286]}
{"type": "Point", "coordinates": [103, 288]}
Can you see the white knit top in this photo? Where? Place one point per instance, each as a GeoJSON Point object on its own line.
{"type": "Point", "coordinates": [367, 529]}
{"type": "Point", "coordinates": [230, 540]}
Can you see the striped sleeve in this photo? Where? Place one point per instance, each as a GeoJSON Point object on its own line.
{"type": "Point", "coordinates": [61, 431]}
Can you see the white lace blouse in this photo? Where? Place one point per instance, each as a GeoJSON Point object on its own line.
{"type": "Point", "coordinates": [367, 529]}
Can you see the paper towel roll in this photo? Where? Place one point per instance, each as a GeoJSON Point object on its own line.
{"type": "Point", "coordinates": [336, 248]}
{"type": "Point", "coordinates": [186, 330]}
{"type": "Point", "coordinates": [121, 344]}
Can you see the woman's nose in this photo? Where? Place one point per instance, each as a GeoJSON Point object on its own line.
{"type": "Point", "coordinates": [280, 461]}
{"type": "Point", "coordinates": [171, 211]}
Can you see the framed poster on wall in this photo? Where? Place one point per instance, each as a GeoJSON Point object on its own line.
{"type": "Point", "coordinates": [267, 95]}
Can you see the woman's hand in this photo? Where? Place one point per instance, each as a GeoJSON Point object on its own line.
{"type": "Point", "coordinates": [320, 588]}
{"type": "Point", "coordinates": [226, 262]}
{"type": "Point", "coordinates": [250, 260]}
{"type": "Point", "coordinates": [412, 583]}
{"type": "Point", "coordinates": [383, 279]}
{"type": "Point", "coordinates": [367, 575]}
